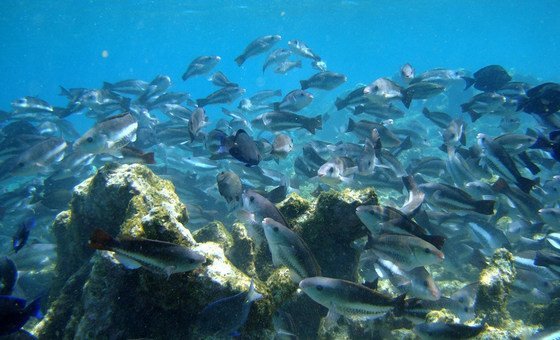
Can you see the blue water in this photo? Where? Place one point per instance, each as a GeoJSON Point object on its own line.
{"type": "Point", "coordinates": [46, 44]}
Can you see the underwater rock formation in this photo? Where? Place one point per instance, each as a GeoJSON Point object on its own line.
{"type": "Point", "coordinates": [94, 297]}
{"type": "Point", "coordinates": [494, 288]}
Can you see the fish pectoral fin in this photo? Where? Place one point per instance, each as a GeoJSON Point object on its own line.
{"type": "Point", "coordinates": [169, 270]}
{"type": "Point", "coordinates": [127, 261]}
{"type": "Point", "coordinates": [332, 317]}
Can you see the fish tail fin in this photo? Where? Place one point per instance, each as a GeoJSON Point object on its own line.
{"type": "Point", "coordinates": [406, 98]}
{"type": "Point", "coordinates": [400, 304]}
{"type": "Point", "coordinates": [64, 92]}
{"type": "Point", "coordinates": [106, 86]}
{"type": "Point", "coordinates": [340, 104]}
{"type": "Point", "coordinates": [526, 184]}
{"type": "Point", "coordinates": [276, 106]}
{"type": "Point", "coordinates": [406, 143]}
{"type": "Point", "coordinates": [185, 76]}
{"type": "Point", "coordinates": [201, 102]}
{"type": "Point", "coordinates": [149, 158]}
{"type": "Point", "coordinates": [425, 111]}
{"type": "Point", "coordinates": [485, 207]}
{"type": "Point", "coordinates": [463, 138]}
{"type": "Point", "coordinates": [524, 157]}
{"type": "Point", "coordinates": [315, 123]}
{"type": "Point", "coordinates": [468, 82]}
{"type": "Point", "coordinates": [34, 309]}
{"type": "Point", "coordinates": [474, 115]}
{"type": "Point", "coordinates": [304, 84]}
{"type": "Point", "coordinates": [541, 143]}
{"type": "Point", "coordinates": [500, 185]}
{"type": "Point", "coordinates": [298, 64]}
{"type": "Point", "coordinates": [436, 240]}
{"type": "Point", "coordinates": [359, 109]}
{"type": "Point", "coordinates": [543, 260]}
{"type": "Point", "coordinates": [351, 125]}
{"type": "Point", "coordinates": [101, 240]}
{"type": "Point", "coordinates": [240, 60]}
{"type": "Point", "coordinates": [253, 295]}
{"type": "Point", "coordinates": [278, 93]}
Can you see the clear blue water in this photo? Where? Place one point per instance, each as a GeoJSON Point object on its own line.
{"type": "Point", "coordinates": [46, 44]}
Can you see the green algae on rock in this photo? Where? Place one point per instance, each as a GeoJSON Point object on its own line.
{"type": "Point", "coordinates": [332, 227]}
{"type": "Point", "coordinates": [494, 288]}
{"type": "Point", "coordinates": [98, 298]}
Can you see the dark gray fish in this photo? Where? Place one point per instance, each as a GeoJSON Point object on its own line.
{"type": "Point", "coordinates": [288, 249]}
{"type": "Point", "coordinates": [488, 79]}
{"type": "Point", "coordinates": [261, 96]}
{"type": "Point", "coordinates": [543, 100]}
{"type": "Point", "coordinates": [257, 46]}
{"type": "Point", "coordinates": [294, 101]}
{"type": "Point", "coordinates": [484, 103]}
{"type": "Point", "coordinates": [379, 110]}
{"type": "Point", "coordinates": [326, 80]}
{"type": "Point", "coordinates": [229, 186]}
{"type": "Point", "coordinates": [286, 66]}
{"type": "Point", "coordinates": [527, 206]}
{"type": "Point", "coordinates": [299, 47]}
{"type": "Point", "coordinates": [276, 57]}
{"type": "Point", "coordinates": [441, 119]}
{"type": "Point", "coordinates": [443, 331]}
{"type": "Point", "coordinates": [197, 121]}
{"type": "Point", "coordinates": [154, 255]}
{"type": "Point", "coordinates": [420, 90]}
{"type": "Point", "coordinates": [379, 219]}
{"type": "Point", "coordinates": [244, 149]}
{"type": "Point", "coordinates": [220, 79]}
{"type": "Point", "coordinates": [350, 299]}
{"type": "Point", "coordinates": [201, 65]}
{"type": "Point", "coordinates": [283, 120]}
{"type": "Point", "coordinates": [353, 98]}
{"type": "Point", "coordinates": [224, 317]}
{"type": "Point", "coordinates": [129, 86]}
{"type": "Point", "coordinates": [156, 88]}
{"type": "Point", "coordinates": [450, 197]}
{"type": "Point", "coordinates": [224, 95]}
{"type": "Point", "coordinates": [501, 161]}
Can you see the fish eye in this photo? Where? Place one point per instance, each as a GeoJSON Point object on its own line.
{"type": "Point", "coordinates": [319, 287]}
{"type": "Point", "coordinates": [426, 283]}
{"type": "Point", "coordinates": [89, 139]}
{"type": "Point", "coordinates": [331, 170]}
{"type": "Point", "coordinates": [192, 261]}
{"type": "Point", "coordinates": [466, 309]}
{"type": "Point", "coordinates": [461, 299]}
{"type": "Point", "coordinates": [275, 229]}
{"type": "Point", "coordinates": [21, 101]}
{"type": "Point", "coordinates": [21, 164]}
{"type": "Point", "coordinates": [427, 250]}
{"type": "Point", "coordinates": [252, 198]}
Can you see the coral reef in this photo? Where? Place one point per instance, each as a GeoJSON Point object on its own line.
{"type": "Point", "coordinates": [494, 288]}
{"type": "Point", "coordinates": [94, 297]}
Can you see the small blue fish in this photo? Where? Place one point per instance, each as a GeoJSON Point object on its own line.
{"type": "Point", "coordinates": [14, 313]}
{"type": "Point", "coordinates": [225, 316]}
{"type": "Point", "coordinates": [22, 234]}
